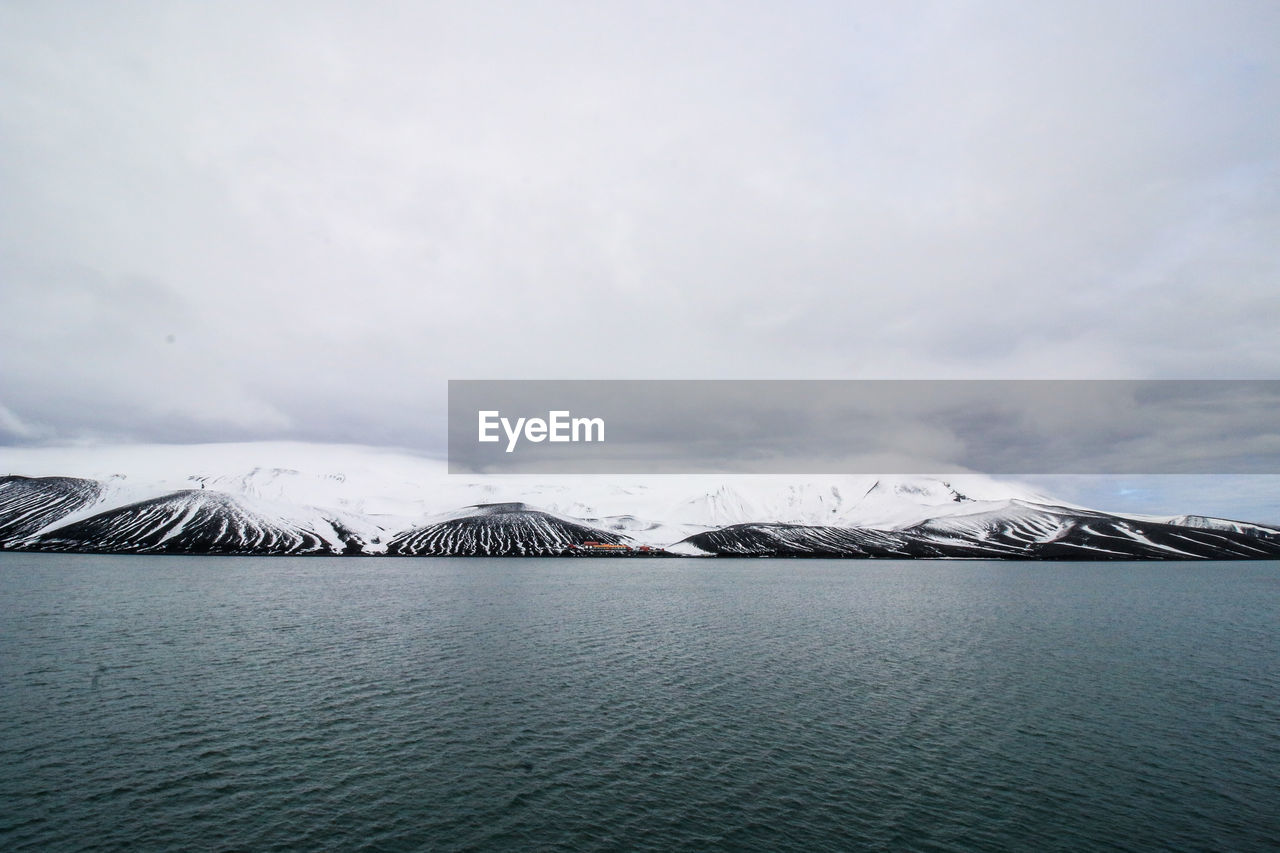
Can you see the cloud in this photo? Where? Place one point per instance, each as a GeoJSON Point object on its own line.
{"type": "Point", "coordinates": [333, 208]}
{"type": "Point", "coordinates": [13, 428]}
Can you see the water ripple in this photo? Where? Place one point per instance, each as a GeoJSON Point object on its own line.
{"type": "Point", "coordinates": [419, 704]}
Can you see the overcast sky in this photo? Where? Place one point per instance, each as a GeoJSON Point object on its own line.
{"type": "Point", "coordinates": [225, 221]}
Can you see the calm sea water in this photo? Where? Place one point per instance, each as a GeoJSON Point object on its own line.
{"type": "Point", "coordinates": [153, 703]}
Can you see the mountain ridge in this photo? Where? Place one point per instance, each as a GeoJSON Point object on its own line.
{"type": "Point", "coordinates": [319, 500]}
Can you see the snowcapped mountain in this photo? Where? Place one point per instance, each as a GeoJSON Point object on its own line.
{"type": "Point", "coordinates": [1039, 531]}
{"type": "Point", "coordinates": [291, 498]}
{"type": "Point", "coordinates": [1207, 523]}
{"type": "Point", "coordinates": [30, 505]}
{"type": "Point", "coordinates": [499, 530]}
{"type": "Point", "coordinates": [195, 521]}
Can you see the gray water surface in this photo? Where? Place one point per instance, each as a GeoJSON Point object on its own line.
{"type": "Point", "coordinates": [157, 703]}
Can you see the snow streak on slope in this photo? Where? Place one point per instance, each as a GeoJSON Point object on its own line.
{"type": "Point", "coordinates": [397, 490]}
{"type": "Point", "coordinates": [190, 522]}
{"type": "Point", "coordinates": [498, 530]}
{"type": "Point", "coordinates": [1015, 531]}
{"type": "Point", "coordinates": [27, 505]}
{"type": "Point", "coordinates": [1206, 523]}
{"type": "Point", "coordinates": [1024, 530]}
{"type": "Point", "coordinates": [798, 540]}
{"type": "Point", "coordinates": [297, 498]}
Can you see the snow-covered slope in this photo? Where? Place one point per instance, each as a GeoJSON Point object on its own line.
{"type": "Point", "coordinates": [385, 486]}
{"type": "Point", "coordinates": [194, 522]}
{"type": "Point", "coordinates": [1012, 530]}
{"type": "Point", "coordinates": [304, 498]}
{"type": "Point", "coordinates": [1203, 522]}
{"type": "Point", "coordinates": [1023, 529]}
{"type": "Point", "coordinates": [498, 530]}
{"type": "Point", "coordinates": [799, 540]}
{"type": "Point", "coordinates": [380, 492]}
{"type": "Point", "coordinates": [28, 505]}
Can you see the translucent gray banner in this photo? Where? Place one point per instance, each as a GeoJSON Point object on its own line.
{"type": "Point", "coordinates": [865, 426]}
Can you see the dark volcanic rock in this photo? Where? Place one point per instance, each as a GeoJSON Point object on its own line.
{"type": "Point", "coordinates": [1019, 531]}
{"type": "Point", "coordinates": [186, 522]}
{"type": "Point", "coordinates": [499, 530]}
{"type": "Point", "coordinates": [799, 540]}
{"type": "Point", "coordinates": [29, 504]}
{"type": "Point", "coordinates": [1041, 532]}
{"type": "Point", "coordinates": [34, 513]}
